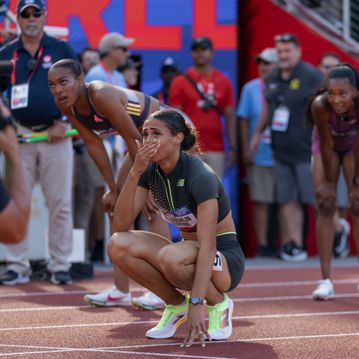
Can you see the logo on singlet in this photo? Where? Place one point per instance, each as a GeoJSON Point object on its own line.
{"type": "Point", "coordinates": [180, 182]}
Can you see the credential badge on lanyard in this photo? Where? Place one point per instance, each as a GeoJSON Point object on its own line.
{"type": "Point", "coordinates": [20, 92]}
{"type": "Point", "coordinates": [280, 119]}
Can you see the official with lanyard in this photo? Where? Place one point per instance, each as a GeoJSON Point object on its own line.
{"type": "Point", "coordinates": [34, 109]}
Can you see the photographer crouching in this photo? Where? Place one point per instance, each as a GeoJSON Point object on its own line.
{"type": "Point", "coordinates": [14, 199]}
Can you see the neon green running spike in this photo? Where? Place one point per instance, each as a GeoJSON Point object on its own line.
{"type": "Point", "coordinates": [220, 319]}
{"type": "Point", "coordinates": [172, 318]}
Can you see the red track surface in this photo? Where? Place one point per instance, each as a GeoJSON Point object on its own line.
{"type": "Point", "coordinates": [274, 317]}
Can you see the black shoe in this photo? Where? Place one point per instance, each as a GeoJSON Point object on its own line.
{"type": "Point", "coordinates": [341, 241]}
{"type": "Point", "coordinates": [11, 277]}
{"type": "Point", "coordinates": [61, 277]}
{"type": "Point", "coordinates": [290, 252]}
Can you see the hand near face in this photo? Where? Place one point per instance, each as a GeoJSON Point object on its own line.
{"type": "Point", "coordinates": [144, 155]}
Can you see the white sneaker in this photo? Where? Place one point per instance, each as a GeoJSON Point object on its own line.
{"type": "Point", "coordinates": [110, 297]}
{"type": "Point", "coordinates": [324, 291]}
{"type": "Point", "coordinates": [220, 319]}
{"type": "Point", "coordinates": [172, 318]}
{"type": "Point", "coordinates": [148, 301]}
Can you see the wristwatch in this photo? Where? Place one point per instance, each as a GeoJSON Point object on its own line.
{"type": "Point", "coordinates": [356, 181]}
{"type": "Point", "coordinates": [195, 300]}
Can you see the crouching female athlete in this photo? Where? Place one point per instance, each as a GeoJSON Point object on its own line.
{"type": "Point", "coordinates": [335, 113]}
{"type": "Point", "coordinates": [208, 262]}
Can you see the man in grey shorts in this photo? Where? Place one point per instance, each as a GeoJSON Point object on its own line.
{"type": "Point", "coordinates": [287, 90]}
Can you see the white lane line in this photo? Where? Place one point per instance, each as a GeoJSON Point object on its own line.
{"type": "Point", "coordinates": [32, 353]}
{"type": "Point", "coordinates": [40, 309]}
{"type": "Point", "coordinates": [293, 283]}
{"type": "Point", "coordinates": [52, 293]}
{"type": "Point", "coordinates": [120, 350]}
{"type": "Point", "coordinates": [239, 300]}
{"type": "Point", "coordinates": [301, 337]}
{"type": "Point", "coordinates": [166, 355]}
{"type": "Point", "coordinates": [290, 297]}
{"type": "Point", "coordinates": [111, 324]}
{"type": "Point", "coordinates": [116, 350]}
{"type": "Point", "coordinates": [139, 289]}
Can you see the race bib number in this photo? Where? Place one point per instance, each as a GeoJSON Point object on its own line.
{"type": "Point", "coordinates": [217, 264]}
{"type": "Point", "coordinates": [280, 119]}
{"type": "Point", "coordinates": [181, 217]}
{"type": "Point", "coordinates": [19, 96]}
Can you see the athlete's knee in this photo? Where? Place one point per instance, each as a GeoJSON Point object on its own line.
{"type": "Point", "coordinates": [117, 246]}
{"type": "Point", "coordinates": [327, 207]}
{"type": "Point", "coordinates": [168, 258]}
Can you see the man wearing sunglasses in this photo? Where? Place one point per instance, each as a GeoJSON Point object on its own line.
{"type": "Point", "coordinates": [34, 109]}
{"type": "Point", "coordinates": [114, 53]}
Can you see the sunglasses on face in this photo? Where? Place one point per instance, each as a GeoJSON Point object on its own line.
{"type": "Point", "coordinates": [327, 67]}
{"type": "Point", "coordinates": [124, 49]}
{"type": "Point", "coordinates": [286, 38]}
{"type": "Point", "coordinates": [27, 14]}
{"type": "Point", "coordinates": [263, 62]}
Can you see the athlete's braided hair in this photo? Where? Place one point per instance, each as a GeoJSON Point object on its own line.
{"type": "Point", "coordinates": [341, 71]}
{"type": "Point", "coordinates": [176, 123]}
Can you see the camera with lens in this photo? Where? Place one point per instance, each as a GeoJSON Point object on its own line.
{"type": "Point", "coordinates": [208, 102]}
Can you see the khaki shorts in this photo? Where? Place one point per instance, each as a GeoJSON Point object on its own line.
{"type": "Point", "coordinates": [261, 184]}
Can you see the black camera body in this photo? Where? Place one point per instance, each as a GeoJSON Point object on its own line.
{"type": "Point", "coordinates": [208, 102]}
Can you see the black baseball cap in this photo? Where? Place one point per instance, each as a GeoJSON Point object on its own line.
{"type": "Point", "coordinates": [169, 65]}
{"type": "Point", "coordinates": [23, 4]}
{"type": "Point", "coordinates": [204, 42]}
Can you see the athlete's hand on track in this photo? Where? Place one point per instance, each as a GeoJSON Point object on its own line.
{"type": "Point", "coordinates": [196, 327]}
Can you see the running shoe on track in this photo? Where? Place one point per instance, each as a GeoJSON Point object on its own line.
{"type": "Point", "coordinates": [148, 301]}
{"type": "Point", "coordinates": [324, 291]}
{"type": "Point", "coordinates": [220, 319]}
{"type": "Point", "coordinates": [111, 297]}
{"type": "Point", "coordinates": [172, 318]}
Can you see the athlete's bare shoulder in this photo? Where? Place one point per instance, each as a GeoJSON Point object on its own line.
{"type": "Point", "coordinates": [320, 102]}
{"type": "Point", "coordinates": [103, 90]}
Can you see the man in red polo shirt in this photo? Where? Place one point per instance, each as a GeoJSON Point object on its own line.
{"type": "Point", "coordinates": [205, 94]}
